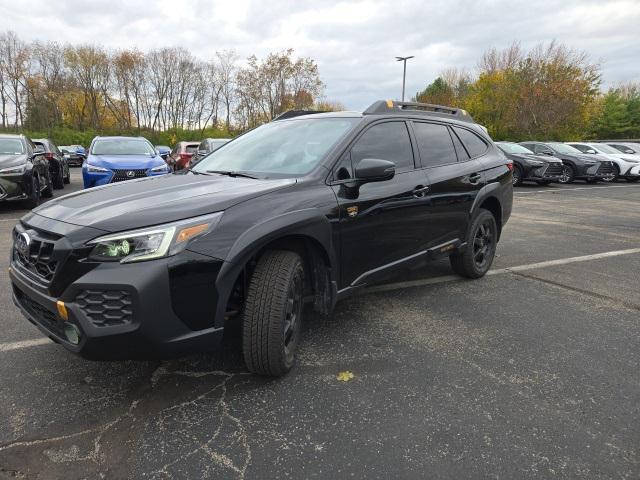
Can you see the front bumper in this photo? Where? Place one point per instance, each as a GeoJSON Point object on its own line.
{"type": "Point", "coordinates": [550, 172]}
{"type": "Point", "coordinates": [632, 172]}
{"type": "Point", "coordinates": [598, 171]}
{"type": "Point", "coordinates": [15, 187]}
{"type": "Point", "coordinates": [95, 179]}
{"type": "Point", "coordinates": [157, 308]}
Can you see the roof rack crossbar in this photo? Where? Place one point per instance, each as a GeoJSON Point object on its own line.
{"type": "Point", "coordinates": [391, 106]}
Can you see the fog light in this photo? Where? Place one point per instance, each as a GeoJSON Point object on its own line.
{"type": "Point", "coordinates": [72, 333]}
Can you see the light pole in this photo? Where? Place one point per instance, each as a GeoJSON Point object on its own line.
{"type": "Point", "coordinates": [404, 71]}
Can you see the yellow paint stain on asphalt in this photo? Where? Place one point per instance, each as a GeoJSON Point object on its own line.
{"type": "Point", "coordinates": [345, 376]}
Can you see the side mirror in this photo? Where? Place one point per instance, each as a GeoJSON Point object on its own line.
{"type": "Point", "coordinates": [202, 153]}
{"type": "Point", "coordinates": [547, 152]}
{"type": "Point", "coordinates": [590, 151]}
{"type": "Point", "coordinates": [374, 170]}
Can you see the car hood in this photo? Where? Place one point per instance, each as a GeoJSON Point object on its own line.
{"type": "Point", "coordinates": [7, 160]}
{"type": "Point", "coordinates": [155, 200]}
{"type": "Point", "coordinates": [125, 161]}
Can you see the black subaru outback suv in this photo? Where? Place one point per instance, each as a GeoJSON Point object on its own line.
{"type": "Point", "coordinates": [305, 209]}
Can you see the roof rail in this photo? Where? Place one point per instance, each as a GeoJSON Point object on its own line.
{"type": "Point", "coordinates": [392, 106]}
{"type": "Point", "coordinates": [296, 113]}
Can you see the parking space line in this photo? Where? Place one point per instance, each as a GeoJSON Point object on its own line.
{"type": "Point", "coordinates": [7, 347]}
{"type": "Point", "coordinates": [558, 190]}
{"type": "Point", "coordinates": [499, 271]}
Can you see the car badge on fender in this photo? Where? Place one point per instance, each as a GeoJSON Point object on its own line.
{"type": "Point", "coordinates": [352, 211]}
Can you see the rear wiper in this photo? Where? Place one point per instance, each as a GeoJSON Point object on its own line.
{"type": "Point", "coordinates": [232, 173]}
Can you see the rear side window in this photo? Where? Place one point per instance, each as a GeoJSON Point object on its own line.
{"type": "Point", "coordinates": [191, 149]}
{"type": "Point", "coordinates": [434, 144]}
{"type": "Point", "coordinates": [385, 141]}
{"type": "Point", "coordinates": [472, 142]}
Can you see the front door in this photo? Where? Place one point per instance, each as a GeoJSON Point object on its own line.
{"type": "Point", "coordinates": [381, 223]}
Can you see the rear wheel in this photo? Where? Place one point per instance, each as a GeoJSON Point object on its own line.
{"type": "Point", "coordinates": [273, 313]}
{"type": "Point", "coordinates": [517, 175]}
{"type": "Point", "coordinates": [477, 258]}
{"type": "Point", "coordinates": [568, 174]}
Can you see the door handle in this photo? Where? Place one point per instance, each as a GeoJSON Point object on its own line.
{"type": "Point", "coordinates": [474, 178]}
{"type": "Point", "coordinates": [420, 191]}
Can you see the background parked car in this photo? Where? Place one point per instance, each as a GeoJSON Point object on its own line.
{"type": "Point", "coordinates": [74, 157]}
{"type": "Point", "coordinates": [24, 172]}
{"type": "Point", "coordinates": [576, 165]}
{"type": "Point", "coordinates": [164, 152]}
{"type": "Point", "coordinates": [57, 162]}
{"type": "Point", "coordinates": [626, 147]}
{"type": "Point", "coordinates": [207, 146]}
{"type": "Point", "coordinates": [527, 166]}
{"type": "Point", "coordinates": [182, 153]}
{"type": "Point", "coordinates": [625, 165]}
{"type": "Point", "coordinates": [116, 159]}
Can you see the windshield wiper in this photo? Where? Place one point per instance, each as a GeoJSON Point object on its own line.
{"type": "Point", "coordinates": [232, 173]}
{"type": "Point", "coordinates": [195, 172]}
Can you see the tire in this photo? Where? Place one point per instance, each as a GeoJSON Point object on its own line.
{"type": "Point", "coordinates": [34, 199]}
{"type": "Point", "coordinates": [616, 175]}
{"type": "Point", "coordinates": [47, 192]}
{"type": "Point", "coordinates": [483, 237]}
{"type": "Point", "coordinates": [58, 182]}
{"type": "Point", "coordinates": [67, 177]}
{"type": "Point", "coordinates": [568, 175]}
{"type": "Point", "coordinates": [273, 313]}
{"type": "Point", "coordinates": [517, 175]}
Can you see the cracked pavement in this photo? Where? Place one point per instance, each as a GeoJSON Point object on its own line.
{"type": "Point", "coordinates": [530, 374]}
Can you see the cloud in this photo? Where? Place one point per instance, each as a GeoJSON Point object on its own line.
{"type": "Point", "coordinates": [354, 42]}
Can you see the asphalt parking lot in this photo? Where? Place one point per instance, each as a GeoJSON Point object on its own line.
{"type": "Point", "coordinates": [530, 372]}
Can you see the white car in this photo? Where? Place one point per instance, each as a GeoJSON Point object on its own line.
{"type": "Point", "coordinates": [626, 165]}
{"type": "Point", "coordinates": [625, 147]}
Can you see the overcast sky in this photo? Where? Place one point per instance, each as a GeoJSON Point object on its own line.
{"type": "Point", "coordinates": [354, 42]}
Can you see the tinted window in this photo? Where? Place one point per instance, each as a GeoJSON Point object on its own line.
{"type": "Point", "coordinates": [11, 146]}
{"type": "Point", "coordinates": [582, 148]}
{"type": "Point", "coordinates": [434, 144]}
{"type": "Point", "coordinates": [386, 141]}
{"type": "Point", "coordinates": [472, 142]}
{"type": "Point", "coordinates": [203, 145]}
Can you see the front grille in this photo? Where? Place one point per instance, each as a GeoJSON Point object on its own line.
{"type": "Point", "coordinates": [605, 169]}
{"type": "Point", "coordinates": [37, 262]}
{"type": "Point", "coordinates": [122, 175]}
{"type": "Point", "coordinates": [553, 170]}
{"type": "Point", "coordinates": [39, 312]}
{"type": "Point", "coordinates": [106, 307]}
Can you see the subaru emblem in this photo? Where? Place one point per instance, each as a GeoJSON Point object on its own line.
{"type": "Point", "coordinates": [23, 244]}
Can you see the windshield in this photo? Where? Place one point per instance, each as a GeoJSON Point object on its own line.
{"type": "Point", "coordinates": [11, 146]}
{"type": "Point", "coordinates": [122, 146]}
{"type": "Point", "coordinates": [562, 148]}
{"type": "Point", "coordinates": [514, 148]}
{"type": "Point", "coordinates": [289, 147]}
{"type": "Point", "coordinates": [604, 148]}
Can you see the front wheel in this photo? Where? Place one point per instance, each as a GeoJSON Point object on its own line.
{"type": "Point", "coordinates": [477, 258]}
{"type": "Point", "coordinates": [34, 198]}
{"type": "Point", "coordinates": [58, 180]}
{"type": "Point", "coordinates": [568, 174]}
{"type": "Point", "coordinates": [67, 177]}
{"type": "Point", "coordinates": [47, 191]}
{"type": "Point", "coordinates": [273, 313]}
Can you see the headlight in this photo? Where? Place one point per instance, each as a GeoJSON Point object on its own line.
{"type": "Point", "coordinates": [153, 242]}
{"type": "Point", "coordinates": [96, 169]}
{"type": "Point", "coordinates": [535, 163]}
{"type": "Point", "coordinates": [19, 170]}
{"type": "Point", "coordinates": [160, 168]}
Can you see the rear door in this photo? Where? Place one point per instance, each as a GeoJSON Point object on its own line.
{"type": "Point", "coordinates": [452, 157]}
{"type": "Point", "coordinates": [382, 224]}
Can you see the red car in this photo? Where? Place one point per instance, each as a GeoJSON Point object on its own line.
{"type": "Point", "coordinates": [182, 153]}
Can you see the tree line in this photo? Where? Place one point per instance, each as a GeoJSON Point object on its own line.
{"type": "Point", "coordinates": [550, 92]}
{"type": "Point", "coordinates": [47, 86]}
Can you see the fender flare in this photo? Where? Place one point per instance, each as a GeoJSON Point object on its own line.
{"type": "Point", "coordinates": [309, 223]}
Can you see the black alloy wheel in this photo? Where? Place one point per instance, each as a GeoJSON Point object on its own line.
{"type": "Point", "coordinates": [517, 175]}
{"type": "Point", "coordinates": [34, 197]}
{"type": "Point", "coordinates": [477, 257]}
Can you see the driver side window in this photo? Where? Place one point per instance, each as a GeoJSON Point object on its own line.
{"type": "Point", "coordinates": [385, 141]}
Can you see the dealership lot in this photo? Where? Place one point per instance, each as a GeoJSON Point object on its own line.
{"type": "Point", "coordinates": [531, 371]}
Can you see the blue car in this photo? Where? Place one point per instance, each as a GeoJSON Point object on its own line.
{"type": "Point", "coordinates": [116, 159]}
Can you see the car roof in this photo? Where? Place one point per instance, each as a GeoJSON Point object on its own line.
{"type": "Point", "coordinates": [117, 137]}
{"type": "Point", "coordinates": [12, 135]}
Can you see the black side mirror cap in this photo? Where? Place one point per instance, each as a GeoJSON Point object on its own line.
{"type": "Point", "coordinates": [374, 170]}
